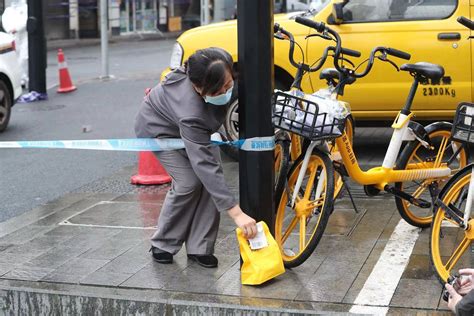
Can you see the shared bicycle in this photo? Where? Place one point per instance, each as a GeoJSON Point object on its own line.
{"type": "Point", "coordinates": [414, 173]}
{"type": "Point", "coordinates": [452, 229]}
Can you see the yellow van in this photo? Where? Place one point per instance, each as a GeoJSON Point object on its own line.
{"type": "Point", "coordinates": [427, 29]}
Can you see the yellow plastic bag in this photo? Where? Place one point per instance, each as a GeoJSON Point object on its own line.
{"type": "Point", "coordinates": [262, 264]}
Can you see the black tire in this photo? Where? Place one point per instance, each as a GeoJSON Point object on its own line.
{"type": "Point", "coordinates": [231, 127]}
{"type": "Point", "coordinates": [282, 150]}
{"type": "Point", "coordinates": [231, 122]}
{"type": "Point", "coordinates": [411, 214]}
{"type": "Point", "coordinates": [442, 240]}
{"type": "Point", "coordinates": [5, 105]}
{"type": "Point", "coordinates": [323, 211]}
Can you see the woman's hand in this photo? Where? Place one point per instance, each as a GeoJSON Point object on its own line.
{"type": "Point", "coordinates": [466, 281]}
{"type": "Point", "coordinates": [246, 223]}
{"type": "Point", "coordinates": [454, 297]}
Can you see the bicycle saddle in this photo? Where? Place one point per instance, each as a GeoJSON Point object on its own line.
{"type": "Point", "coordinates": [426, 70]}
{"type": "Point", "coordinates": [332, 73]}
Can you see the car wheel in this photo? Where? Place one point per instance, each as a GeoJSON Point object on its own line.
{"type": "Point", "coordinates": [231, 128]}
{"type": "Point", "coordinates": [231, 123]}
{"type": "Point", "coordinates": [5, 105]}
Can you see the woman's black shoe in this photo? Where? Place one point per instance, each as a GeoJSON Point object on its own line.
{"type": "Point", "coordinates": [207, 261]}
{"type": "Point", "coordinates": [161, 256]}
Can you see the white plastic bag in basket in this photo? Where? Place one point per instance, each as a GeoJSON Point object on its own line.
{"type": "Point", "coordinates": [333, 109]}
{"type": "Point", "coordinates": [468, 117]}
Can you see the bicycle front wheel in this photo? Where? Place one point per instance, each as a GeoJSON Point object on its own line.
{"type": "Point", "coordinates": [299, 228]}
{"type": "Point", "coordinates": [444, 153]}
{"type": "Point", "coordinates": [281, 165]}
{"type": "Point", "coordinates": [450, 244]}
{"type": "Point", "coordinates": [349, 130]}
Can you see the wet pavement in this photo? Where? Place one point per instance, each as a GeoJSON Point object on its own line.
{"type": "Point", "coordinates": [88, 251]}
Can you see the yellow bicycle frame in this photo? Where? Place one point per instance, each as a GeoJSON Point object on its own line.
{"type": "Point", "coordinates": [295, 146]}
{"type": "Point", "coordinates": [381, 176]}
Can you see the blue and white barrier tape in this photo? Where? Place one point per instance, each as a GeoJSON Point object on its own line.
{"type": "Point", "coordinates": [139, 144]}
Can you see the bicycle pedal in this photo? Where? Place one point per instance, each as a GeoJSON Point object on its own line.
{"type": "Point", "coordinates": [408, 197]}
{"type": "Point", "coordinates": [421, 203]}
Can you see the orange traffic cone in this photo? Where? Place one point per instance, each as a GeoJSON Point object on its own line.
{"type": "Point", "coordinates": [150, 171]}
{"type": "Point", "coordinates": [65, 83]}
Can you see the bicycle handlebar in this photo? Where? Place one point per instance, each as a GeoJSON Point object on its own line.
{"type": "Point", "coordinates": [385, 51]}
{"type": "Point", "coordinates": [397, 53]}
{"type": "Point", "coordinates": [320, 27]}
{"type": "Point", "coordinates": [350, 52]}
{"type": "Point", "coordinates": [277, 28]}
{"type": "Point", "coordinates": [338, 50]}
{"type": "Point", "coordinates": [466, 22]}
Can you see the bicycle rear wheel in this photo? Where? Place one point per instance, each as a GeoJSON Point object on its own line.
{"type": "Point", "coordinates": [443, 154]}
{"type": "Point", "coordinates": [450, 244]}
{"type": "Point", "coordinates": [299, 228]}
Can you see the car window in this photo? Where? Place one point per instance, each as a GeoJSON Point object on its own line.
{"type": "Point", "coordinates": [317, 5]}
{"type": "Point", "coordinates": [313, 6]}
{"type": "Point", "coordinates": [397, 10]}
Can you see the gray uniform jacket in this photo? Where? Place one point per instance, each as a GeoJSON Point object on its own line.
{"type": "Point", "coordinates": [173, 109]}
{"type": "Point", "coordinates": [465, 306]}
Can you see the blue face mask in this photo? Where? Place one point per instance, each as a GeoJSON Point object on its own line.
{"type": "Point", "coordinates": [221, 99]}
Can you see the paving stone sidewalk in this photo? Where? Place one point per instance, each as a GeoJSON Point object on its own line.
{"type": "Point", "coordinates": [88, 251]}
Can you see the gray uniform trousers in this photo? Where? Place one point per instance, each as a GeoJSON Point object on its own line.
{"type": "Point", "coordinates": [188, 214]}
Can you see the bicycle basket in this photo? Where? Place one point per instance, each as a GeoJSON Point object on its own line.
{"type": "Point", "coordinates": [463, 124]}
{"type": "Point", "coordinates": [305, 118]}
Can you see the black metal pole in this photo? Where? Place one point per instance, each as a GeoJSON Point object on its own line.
{"type": "Point", "coordinates": [255, 40]}
{"type": "Point", "coordinates": [36, 47]}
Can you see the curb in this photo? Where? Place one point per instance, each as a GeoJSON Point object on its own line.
{"type": "Point", "coordinates": [18, 298]}
{"type": "Point", "coordinates": [135, 37]}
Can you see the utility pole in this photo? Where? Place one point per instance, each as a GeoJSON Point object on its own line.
{"type": "Point", "coordinates": [36, 47]}
{"type": "Point", "coordinates": [104, 38]}
{"type": "Point", "coordinates": [255, 40]}
{"type": "Point", "coordinates": [205, 13]}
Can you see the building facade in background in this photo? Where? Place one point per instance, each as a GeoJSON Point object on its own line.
{"type": "Point", "coordinates": [74, 19]}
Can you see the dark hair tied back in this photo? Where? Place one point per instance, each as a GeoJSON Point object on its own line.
{"type": "Point", "coordinates": [207, 69]}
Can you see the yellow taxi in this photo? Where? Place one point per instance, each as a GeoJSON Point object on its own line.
{"type": "Point", "coordinates": [425, 28]}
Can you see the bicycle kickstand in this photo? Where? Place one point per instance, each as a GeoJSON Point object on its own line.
{"type": "Point", "coordinates": [346, 185]}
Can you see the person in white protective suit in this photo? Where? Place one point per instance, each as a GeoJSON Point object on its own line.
{"type": "Point", "coordinates": [14, 22]}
